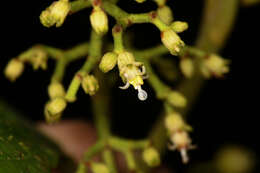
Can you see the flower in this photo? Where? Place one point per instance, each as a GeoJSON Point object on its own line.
{"type": "Point", "coordinates": [14, 69]}
{"type": "Point", "coordinates": [151, 157]}
{"type": "Point", "coordinates": [56, 89]}
{"type": "Point", "coordinates": [175, 98]}
{"type": "Point", "coordinates": [108, 62]}
{"type": "Point", "coordinates": [99, 20]}
{"type": "Point", "coordinates": [187, 67]}
{"type": "Point", "coordinates": [182, 142]}
{"type": "Point", "coordinates": [54, 108]}
{"type": "Point", "coordinates": [179, 26]}
{"type": "Point", "coordinates": [132, 73]}
{"type": "Point", "coordinates": [172, 41]}
{"type": "Point", "coordinates": [55, 13]}
{"type": "Point", "coordinates": [165, 14]}
{"type": "Point", "coordinates": [90, 84]}
{"type": "Point", "coordinates": [174, 122]}
{"type": "Point", "coordinates": [214, 65]}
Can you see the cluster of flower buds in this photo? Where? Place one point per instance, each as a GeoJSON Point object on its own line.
{"type": "Point", "coordinates": [132, 72]}
{"type": "Point", "coordinates": [214, 65]}
{"type": "Point", "coordinates": [14, 69]}
{"type": "Point", "coordinates": [55, 13]}
{"type": "Point", "coordinates": [99, 19]}
{"type": "Point", "coordinates": [151, 157]}
{"type": "Point", "coordinates": [178, 133]}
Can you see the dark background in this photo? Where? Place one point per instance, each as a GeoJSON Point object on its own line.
{"type": "Point", "coordinates": [226, 111]}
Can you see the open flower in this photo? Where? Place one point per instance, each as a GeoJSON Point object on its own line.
{"type": "Point", "coordinates": [181, 142]}
{"type": "Point", "coordinates": [132, 73]}
{"type": "Point", "coordinates": [214, 65]}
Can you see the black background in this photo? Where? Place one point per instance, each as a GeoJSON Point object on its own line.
{"type": "Point", "coordinates": [226, 111]}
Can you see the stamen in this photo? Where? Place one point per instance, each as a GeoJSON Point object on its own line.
{"type": "Point", "coordinates": [184, 155]}
{"type": "Point", "coordinates": [143, 71]}
{"type": "Point", "coordinates": [125, 86]}
{"type": "Point", "coordinates": [142, 95]}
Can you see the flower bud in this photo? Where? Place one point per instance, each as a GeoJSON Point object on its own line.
{"type": "Point", "coordinates": [176, 99]}
{"type": "Point", "coordinates": [125, 58]}
{"type": "Point", "coordinates": [108, 62]}
{"type": "Point", "coordinates": [55, 13]}
{"type": "Point", "coordinates": [99, 21]}
{"type": "Point", "coordinates": [187, 67]}
{"type": "Point", "coordinates": [14, 69]}
{"type": "Point", "coordinates": [56, 106]}
{"type": "Point", "coordinates": [172, 41]}
{"type": "Point", "coordinates": [56, 89]}
{"type": "Point", "coordinates": [99, 168]}
{"type": "Point", "coordinates": [151, 157]}
{"type": "Point", "coordinates": [214, 65]}
{"type": "Point", "coordinates": [90, 84]}
{"type": "Point", "coordinates": [174, 122]}
{"type": "Point", "coordinates": [165, 14]}
{"type": "Point", "coordinates": [179, 26]}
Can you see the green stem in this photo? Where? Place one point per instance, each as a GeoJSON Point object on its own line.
{"type": "Point", "coordinates": [109, 160]}
{"type": "Point", "coordinates": [93, 150]}
{"type": "Point", "coordinates": [59, 70]}
{"type": "Point", "coordinates": [118, 38]}
{"type": "Point", "coordinates": [100, 106]}
{"type": "Point", "coordinates": [94, 56]}
{"type": "Point", "coordinates": [121, 144]}
{"type": "Point", "coordinates": [79, 5]}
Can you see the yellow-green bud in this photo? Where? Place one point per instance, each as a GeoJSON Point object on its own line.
{"type": "Point", "coordinates": [14, 69]}
{"type": "Point", "coordinates": [187, 67]}
{"type": "Point", "coordinates": [125, 58]}
{"type": "Point", "coordinates": [176, 99]}
{"type": "Point", "coordinates": [172, 41]}
{"type": "Point", "coordinates": [56, 89]}
{"type": "Point", "coordinates": [55, 13]}
{"type": "Point", "coordinates": [165, 14]}
{"type": "Point", "coordinates": [108, 62]}
{"type": "Point", "coordinates": [179, 26]}
{"type": "Point", "coordinates": [174, 122]}
{"type": "Point", "coordinates": [99, 168]}
{"type": "Point", "coordinates": [90, 84]}
{"type": "Point", "coordinates": [99, 21]}
{"type": "Point", "coordinates": [214, 65]}
{"type": "Point", "coordinates": [56, 106]}
{"type": "Point", "coordinates": [151, 157]}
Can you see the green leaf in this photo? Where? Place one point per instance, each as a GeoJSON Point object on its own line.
{"type": "Point", "coordinates": [22, 148]}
